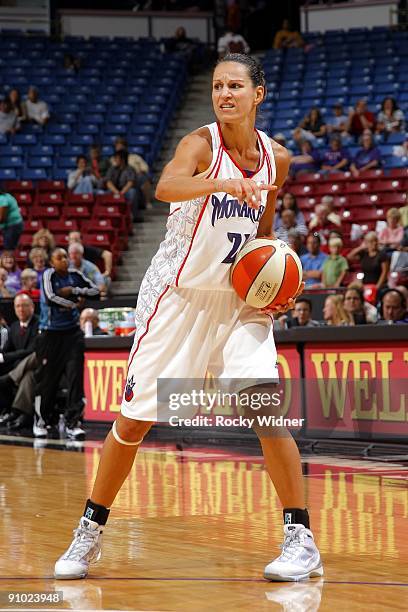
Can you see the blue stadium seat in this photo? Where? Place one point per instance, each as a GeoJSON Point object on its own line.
{"type": "Point", "coordinates": [9, 150]}
{"type": "Point", "coordinates": [7, 174]}
{"type": "Point", "coordinates": [34, 174]}
{"type": "Point", "coordinates": [39, 162]}
{"type": "Point", "coordinates": [14, 161]}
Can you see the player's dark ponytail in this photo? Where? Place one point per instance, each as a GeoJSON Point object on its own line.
{"type": "Point", "coordinates": [255, 70]}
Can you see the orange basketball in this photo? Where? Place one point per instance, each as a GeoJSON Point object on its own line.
{"type": "Point", "coordinates": [266, 272]}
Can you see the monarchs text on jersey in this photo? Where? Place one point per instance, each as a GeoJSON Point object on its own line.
{"type": "Point", "coordinates": [204, 235]}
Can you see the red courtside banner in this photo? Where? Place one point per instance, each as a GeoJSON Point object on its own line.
{"type": "Point", "coordinates": [105, 376]}
{"type": "Point", "coordinates": [357, 390]}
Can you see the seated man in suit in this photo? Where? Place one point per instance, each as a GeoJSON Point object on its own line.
{"type": "Point", "coordinates": [18, 362]}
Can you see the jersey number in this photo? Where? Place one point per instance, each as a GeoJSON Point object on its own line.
{"type": "Point", "coordinates": [237, 240]}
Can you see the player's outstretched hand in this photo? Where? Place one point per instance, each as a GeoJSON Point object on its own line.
{"type": "Point", "coordinates": [277, 308]}
{"type": "Point", "coordinates": [246, 190]}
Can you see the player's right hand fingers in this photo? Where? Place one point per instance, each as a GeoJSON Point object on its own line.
{"type": "Point", "coordinates": [250, 195]}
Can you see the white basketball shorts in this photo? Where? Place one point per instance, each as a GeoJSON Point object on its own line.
{"type": "Point", "coordinates": [183, 333]}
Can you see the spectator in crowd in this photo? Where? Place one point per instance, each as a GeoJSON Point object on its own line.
{"type": "Point", "coordinates": [301, 317]}
{"type": "Point", "coordinates": [312, 262]}
{"type": "Point", "coordinates": [141, 168]}
{"type": "Point", "coordinates": [307, 161]}
{"type": "Point", "coordinates": [4, 331]}
{"type": "Point", "coordinates": [399, 265]}
{"type": "Point", "coordinates": [366, 158]}
{"type": "Point", "coordinates": [374, 262]}
{"type": "Point", "coordinates": [8, 262]}
{"type": "Point", "coordinates": [296, 242]}
{"type": "Point", "coordinates": [94, 254]}
{"type": "Point", "coordinates": [88, 269]}
{"type": "Point", "coordinates": [22, 333]}
{"type": "Point", "coordinates": [393, 308]}
{"type": "Point", "coordinates": [232, 42]}
{"type": "Point", "coordinates": [360, 119]}
{"type": "Point", "coordinates": [9, 123]}
{"type": "Point", "coordinates": [72, 64]}
{"type": "Point", "coordinates": [390, 118]}
{"type": "Point", "coordinates": [288, 222]}
{"type": "Point", "coordinates": [17, 106]}
{"type": "Point", "coordinates": [337, 124]}
{"type": "Point", "coordinates": [82, 179]}
{"type": "Point", "coordinates": [90, 315]}
{"type": "Point", "coordinates": [19, 362]}
{"type": "Point", "coordinates": [29, 281]}
{"type": "Point", "coordinates": [11, 221]}
{"type": "Point", "coordinates": [334, 313]}
{"type": "Point", "coordinates": [335, 266]}
{"type": "Point", "coordinates": [404, 214]}
{"type": "Point", "coordinates": [44, 239]}
{"type": "Point", "coordinates": [360, 311]}
{"type": "Point", "coordinates": [391, 236]}
{"type": "Point", "coordinates": [35, 109]}
{"type": "Point", "coordinates": [286, 38]}
{"type": "Point", "coordinates": [121, 180]}
{"type": "Point", "coordinates": [334, 218]}
{"type": "Point", "coordinates": [99, 165]}
{"type": "Point", "coordinates": [312, 126]}
{"type": "Point", "coordinates": [289, 203]}
{"type": "Point", "coordinates": [336, 158]}
{"type": "Point", "coordinates": [5, 292]}
{"type": "Point", "coordinates": [38, 262]}
{"type": "Point", "coordinates": [321, 222]}
{"type": "Point", "coordinates": [60, 349]}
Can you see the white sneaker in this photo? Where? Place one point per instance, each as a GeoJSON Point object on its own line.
{"type": "Point", "coordinates": [75, 431]}
{"type": "Point", "coordinates": [39, 429]}
{"type": "Point", "coordinates": [299, 559]}
{"type": "Point", "coordinates": [85, 549]}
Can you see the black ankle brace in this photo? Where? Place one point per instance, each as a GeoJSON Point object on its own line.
{"type": "Point", "coordinates": [95, 512]}
{"type": "Point", "coordinates": [296, 515]}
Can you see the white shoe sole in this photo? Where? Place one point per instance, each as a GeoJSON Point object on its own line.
{"type": "Point", "coordinates": [318, 571]}
{"type": "Point", "coordinates": [70, 577]}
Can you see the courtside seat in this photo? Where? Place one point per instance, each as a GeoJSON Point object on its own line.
{"type": "Point", "coordinates": [102, 240]}
{"type": "Point", "coordinates": [21, 254]}
{"type": "Point", "coordinates": [51, 186]}
{"type": "Point", "coordinates": [83, 200]}
{"type": "Point", "coordinates": [78, 212]}
{"type": "Point", "coordinates": [33, 225]}
{"type": "Point", "coordinates": [25, 241]}
{"type": "Point", "coordinates": [45, 199]}
{"type": "Point", "coordinates": [61, 240]}
{"type": "Point", "coordinates": [23, 198]}
{"type": "Point", "coordinates": [388, 185]}
{"type": "Point", "coordinates": [45, 212]}
{"type": "Point", "coordinates": [62, 225]}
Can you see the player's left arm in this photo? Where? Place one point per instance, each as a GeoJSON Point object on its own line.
{"type": "Point", "coordinates": [282, 161]}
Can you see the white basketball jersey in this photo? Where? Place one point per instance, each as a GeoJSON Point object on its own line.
{"type": "Point", "coordinates": [204, 235]}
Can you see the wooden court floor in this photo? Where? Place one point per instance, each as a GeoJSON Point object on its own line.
{"type": "Point", "coordinates": [192, 530]}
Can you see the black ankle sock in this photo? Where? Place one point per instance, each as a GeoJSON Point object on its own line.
{"type": "Point", "coordinates": [95, 512]}
{"type": "Point", "coordinates": [296, 515]}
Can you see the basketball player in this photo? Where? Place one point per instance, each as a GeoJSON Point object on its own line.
{"type": "Point", "coordinates": [222, 185]}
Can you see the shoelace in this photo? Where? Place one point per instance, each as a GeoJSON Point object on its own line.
{"type": "Point", "coordinates": [84, 540]}
{"type": "Point", "coordinates": [291, 546]}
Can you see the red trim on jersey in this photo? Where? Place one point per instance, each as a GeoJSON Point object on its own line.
{"type": "Point", "coordinates": [212, 167]}
{"type": "Point", "coordinates": [147, 326]}
{"type": "Point", "coordinates": [219, 157]}
{"type": "Point", "coordinates": [243, 172]}
{"type": "Point", "coordinates": [174, 211]}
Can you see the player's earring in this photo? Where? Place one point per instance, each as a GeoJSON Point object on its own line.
{"type": "Point", "coordinates": [119, 439]}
